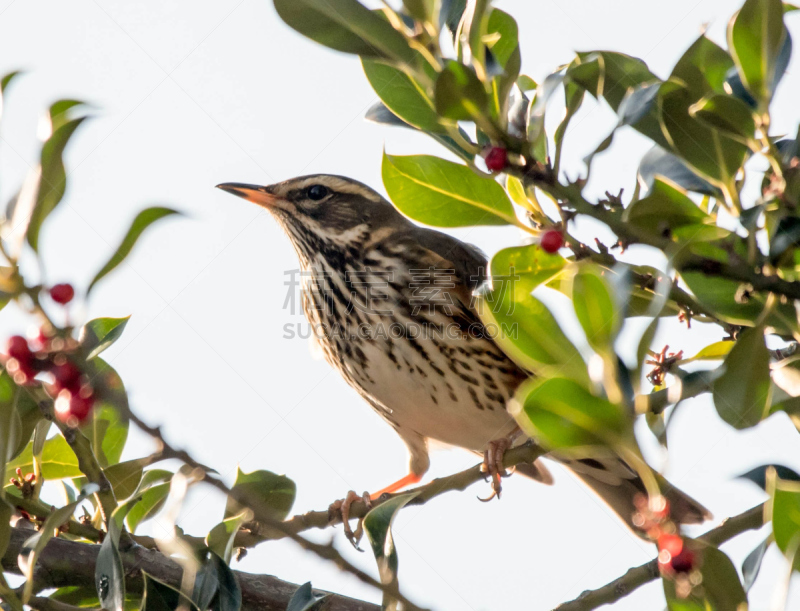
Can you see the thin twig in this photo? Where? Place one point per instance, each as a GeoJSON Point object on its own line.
{"type": "Point", "coordinates": [647, 572]}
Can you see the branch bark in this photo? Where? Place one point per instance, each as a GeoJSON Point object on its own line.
{"type": "Point", "coordinates": [647, 572]}
{"type": "Point", "coordinates": [65, 563]}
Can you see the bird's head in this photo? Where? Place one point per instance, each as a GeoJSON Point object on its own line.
{"type": "Point", "coordinates": [322, 211]}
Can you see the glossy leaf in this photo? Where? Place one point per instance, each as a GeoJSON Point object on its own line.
{"type": "Point", "coordinates": [783, 509]}
{"type": "Point", "coordinates": [142, 221]}
{"type": "Point", "coordinates": [158, 596]}
{"type": "Point", "coordinates": [703, 67]}
{"type": "Point", "coordinates": [378, 527]}
{"type": "Point", "coordinates": [758, 475]}
{"type": "Point", "coordinates": [597, 308]}
{"type": "Point", "coordinates": [573, 98]}
{"type": "Point", "coordinates": [33, 546]}
{"type": "Point", "coordinates": [58, 460]}
{"type": "Point", "coordinates": [523, 327]}
{"type": "Point", "coordinates": [458, 93]}
{"type": "Point", "coordinates": [125, 477]}
{"type": "Point", "coordinates": [9, 429]}
{"type": "Point", "coordinates": [401, 94]}
{"type": "Point", "coordinates": [5, 81]}
{"type": "Point", "coordinates": [756, 35]}
{"type": "Point", "coordinates": [752, 564]}
{"type": "Point", "coordinates": [444, 194]}
{"type": "Point", "coordinates": [304, 599]}
{"type": "Point", "coordinates": [206, 583]}
{"type": "Point", "coordinates": [345, 25]}
{"type": "Point", "coordinates": [275, 493]}
{"type": "Point", "coordinates": [609, 75]}
{"type": "Point", "coordinates": [665, 208]}
{"type": "Point", "coordinates": [562, 414]}
{"type": "Point", "coordinates": [149, 498]}
{"type": "Point", "coordinates": [721, 588]}
{"type": "Point", "coordinates": [108, 431]}
{"type": "Point", "coordinates": [220, 539]}
{"type": "Point", "coordinates": [229, 595]}
{"type": "Point", "coordinates": [742, 392]}
{"type": "Point", "coordinates": [53, 178]}
{"type": "Point", "coordinates": [658, 162]}
{"type": "Point", "coordinates": [726, 114]}
{"type": "Point", "coordinates": [502, 40]}
{"type": "Point", "coordinates": [712, 352]}
{"type": "Point", "coordinates": [99, 333]}
{"type": "Point", "coordinates": [711, 154]}
{"type": "Point", "coordinates": [109, 574]}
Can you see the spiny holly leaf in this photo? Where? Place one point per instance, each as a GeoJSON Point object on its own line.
{"type": "Point", "coordinates": [276, 493]}
{"type": "Point", "coordinates": [99, 333]}
{"type": "Point", "coordinates": [142, 221]}
{"type": "Point", "coordinates": [444, 194]}
{"type": "Point", "coordinates": [742, 392]}
{"type": "Point", "coordinates": [726, 114]}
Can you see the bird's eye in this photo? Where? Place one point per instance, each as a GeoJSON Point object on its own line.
{"type": "Point", "coordinates": [316, 192]}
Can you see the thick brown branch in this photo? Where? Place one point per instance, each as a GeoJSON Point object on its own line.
{"type": "Point", "coordinates": [65, 563]}
{"type": "Point", "coordinates": [640, 575]}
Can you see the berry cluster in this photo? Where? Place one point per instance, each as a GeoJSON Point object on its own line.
{"type": "Point", "coordinates": [71, 389]}
{"type": "Point", "coordinates": [675, 558]}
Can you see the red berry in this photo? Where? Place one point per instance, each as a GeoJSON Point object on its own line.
{"type": "Point", "coordinates": [67, 376]}
{"type": "Point", "coordinates": [18, 348]}
{"type": "Point", "coordinates": [496, 159]}
{"type": "Point", "coordinates": [62, 293]}
{"type": "Point", "coordinates": [683, 562]}
{"type": "Point", "coordinates": [670, 543]}
{"type": "Point", "coordinates": [551, 241]}
{"type": "Point", "coordinates": [73, 408]}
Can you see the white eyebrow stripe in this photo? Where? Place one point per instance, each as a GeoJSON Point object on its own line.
{"type": "Point", "coordinates": [339, 185]}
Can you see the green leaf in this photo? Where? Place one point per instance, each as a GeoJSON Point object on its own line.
{"type": "Point", "coordinates": [573, 98]}
{"type": "Point", "coordinates": [444, 194]}
{"type": "Point", "coordinates": [562, 414]}
{"type": "Point", "coordinates": [58, 460]}
{"type": "Point", "coordinates": [726, 114]}
{"type": "Point", "coordinates": [346, 25]}
{"type": "Point", "coordinates": [304, 599]}
{"type": "Point", "coordinates": [403, 95]}
{"type": "Point", "coordinates": [721, 588]}
{"type": "Point", "coordinates": [783, 509]}
{"type": "Point", "coordinates": [142, 221]}
{"type": "Point", "coordinates": [33, 546]}
{"type": "Point", "coordinates": [665, 209]}
{"type": "Point", "coordinates": [148, 500]}
{"type": "Point", "coordinates": [742, 392]}
{"type": "Point", "coordinates": [502, 42]}
{"type": "Point", "coordinates": [229, 594]}
{"type": "Point", "coordinates": [206, 583]}
{"type": "Point", "coordinates": [125, 477]}
{"type": "Point", "coordinates": [220, 538]}
{"type": "Point", "coordinates": [53, 178]}
{"type": "Point", "coordinates": [521, 324]}
{"type": "Point", "coordinates": [109, 574]}
{"type": "Point", "coordinates": [597, 307]}
{"type": "Point", "coordinates": [609, 75]}
{"type": "Point", "coordinates": [458, 93]}
{"type": "Point", "coordinates": [658, 162]}
{"type": "Point", "coordinates": [708, 152]}
{"type": "Point", "coordinates": [100, 333]}
{"type": "Point", "coordinates": [9, 392]}
{"type": "Point", "coordinates": [703, 67]}
{"type": "Point", "coordinates": [712, 352]}
{"type": "Point", "coordinates": [756, 36]}
{"type": "Point", "coordinates": [5, 81]}
{"type": "Point", "coordinates": [275, 493]}
{"type": "Point", "coordinates": [158, 596]}
{"type": "Point", "coordinates": [378, 527]}
{"type": "Point", "coordinates": [752, 564]}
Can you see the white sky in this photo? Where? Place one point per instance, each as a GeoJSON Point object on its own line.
{"type": "Point", "coordinates": [191, 94]}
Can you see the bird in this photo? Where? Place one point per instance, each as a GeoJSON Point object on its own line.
{"type": "Point", "coordinates": [392, 303]}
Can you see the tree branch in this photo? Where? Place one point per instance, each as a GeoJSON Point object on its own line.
{"type": "Point", "coordinates": [69, 563]}
{"type": "Point", "coordinates": [640, 575]}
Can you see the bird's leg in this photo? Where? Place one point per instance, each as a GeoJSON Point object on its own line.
{"type": "Point", "coordinates": [493, 462]}
{"type": "Point", "coordinates": [408, 480]}
{"type": "Point", "coordinates": [342, 507]}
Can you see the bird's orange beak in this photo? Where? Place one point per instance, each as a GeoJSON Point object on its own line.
{"type": "Point", "coordinates": [252, 193]}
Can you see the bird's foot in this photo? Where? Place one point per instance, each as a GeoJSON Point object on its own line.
{"type": "Point", "coordinates": [341, 508]}
{"type": "Point", "coordinates": [493, 464]}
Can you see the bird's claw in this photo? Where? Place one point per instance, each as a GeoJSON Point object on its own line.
{"type": "Point", "coordinates": [341, 509]}
{"type": "Point", "coordinates": [493, 465]}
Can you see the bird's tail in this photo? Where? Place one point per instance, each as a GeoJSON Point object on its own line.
{"type": "Point", "coordinates": [617, 484]}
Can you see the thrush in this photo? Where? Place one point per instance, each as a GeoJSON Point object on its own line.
{"type": "Point", "coordinates": [392, 307]}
